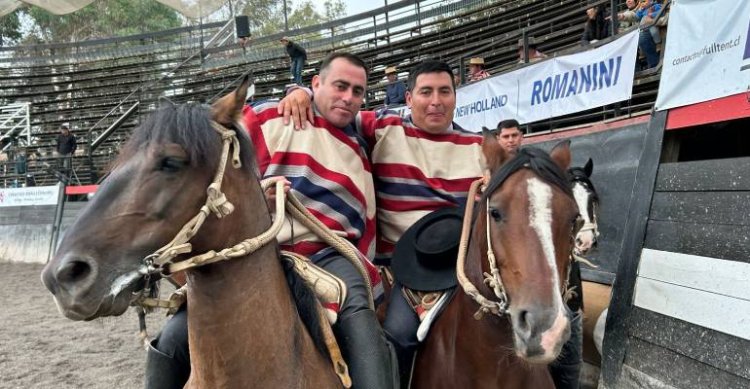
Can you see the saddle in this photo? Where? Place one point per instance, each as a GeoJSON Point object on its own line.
{"type": "Point", "coordinates": [330, 290]}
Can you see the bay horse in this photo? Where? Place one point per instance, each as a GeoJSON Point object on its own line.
{"type": "Point", "coordinates": [588, 203]}
{"type": "Point", "coordinates": [244, 327]}
{"type": "Point", "coordinates": [505, 332]}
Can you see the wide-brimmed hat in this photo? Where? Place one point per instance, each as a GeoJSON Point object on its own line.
{"type": "Point", "coordinates": [425, 257]}
{"type": "Point", "coordinates": [390, 69]}
{"type": "Point", "coordinates": [476, 61]}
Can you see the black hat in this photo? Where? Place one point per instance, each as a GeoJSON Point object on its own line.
{"type": "Point", "coordinates": [425, 257]}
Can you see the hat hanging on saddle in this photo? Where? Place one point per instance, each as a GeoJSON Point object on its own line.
{"type": "Point", "coordinates": [476, 61]}
{"type": "Point", "coordinates": [390, 69]}
{"type": "Point", "coordinates": [425, 257]}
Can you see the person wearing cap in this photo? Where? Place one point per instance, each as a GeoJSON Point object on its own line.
{"type": "Point", "coordinates": [395, 91]}
{"type": "Point", "coordinates": [476, 69]}
{"type": "Point", "coordinates": [534, 53]}
{"type": "Point", "coordinates": [66, 146]}
{"type": "Point", "coordinates": [298, 56]}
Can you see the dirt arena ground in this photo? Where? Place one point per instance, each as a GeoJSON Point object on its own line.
{"type": "Point", "coordinates": [39, 348]}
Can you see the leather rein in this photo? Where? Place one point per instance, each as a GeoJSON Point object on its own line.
{"type": "Point", "coordinates": [500, 305]}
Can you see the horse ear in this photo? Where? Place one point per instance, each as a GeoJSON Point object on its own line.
{"type": "Point", "coordinates": [588, 168]}
{"type": "Point", "coordinates": [561, 154]}
{"type": "Point", "coordinates": [494, 154]}
{"type": "Point", "coordinates": [227, 109]}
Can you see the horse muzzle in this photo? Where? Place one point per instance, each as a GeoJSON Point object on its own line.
{"type": "Point", "coordinates": [539, 334]}
{"type": "Point", "coordinates": [73, 280]}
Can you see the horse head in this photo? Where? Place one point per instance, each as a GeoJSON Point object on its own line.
{"type": "Point", "coordinates": [156, 186]}
{"type": "Point", "coordinates": [588, 203]}
{"type": "Point", "coordinates": [526, 222]}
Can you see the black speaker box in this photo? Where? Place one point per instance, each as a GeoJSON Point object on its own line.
{"type": "Point", "coordinates": [242, 26]}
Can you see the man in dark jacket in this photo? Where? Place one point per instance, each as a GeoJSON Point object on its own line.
{"type": "Point", "coordinates": [66, 145]}
{"type": "Point", "coordinates": [298, 56]}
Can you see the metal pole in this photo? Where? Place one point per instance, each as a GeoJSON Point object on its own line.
{"type": "Point", "coordinates": [286, 22]}
{"type": "Point", "coordinates": [525, 39]}
{"type": "Point", "coordinates": [387, 25]}
{"type": "Point", "coordinates": [614, 25]}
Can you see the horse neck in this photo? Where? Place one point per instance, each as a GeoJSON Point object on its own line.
{"type": "Point", "coordinates": [242, 322]}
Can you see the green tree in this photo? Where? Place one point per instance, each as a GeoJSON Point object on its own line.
{"type": "Point", "coordinates": [10, 28]}
{"type": "Point", "coordinates": [103, 19]}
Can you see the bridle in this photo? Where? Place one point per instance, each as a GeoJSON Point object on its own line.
{"type": "Point", "coordinates": [500, 305]}
{"type": "Point", "coordinates": [161, 262]}
{"type": "Point", "coordinates": [593, 224]}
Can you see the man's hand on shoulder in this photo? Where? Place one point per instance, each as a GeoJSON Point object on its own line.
{"type": "Point", "coordinates": [298, 105]}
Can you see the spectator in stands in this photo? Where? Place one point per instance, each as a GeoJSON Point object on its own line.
{"type": "Point", "coordinates": [534, 53]}
{"type": "Point", "coordinates": [597, 25]}
{"type": "Point", "coordinates": [395, 91]}
{"type": "Point", "coordinates": [21, 162]}
{"type": "Point", "coordinates": [66, 146]}
{"type": "Point", "coordinates": [627, 18]}
{"type": "Point", "coordinates": [298, 56]}
{"type": "Point", "coordinates": [649, 37]}
{"type": "Point", "coordinates": [456, 77]}
{"type": "Point", "coordinates": [476, 69]}
{"type": "Point", "coordinates": [509, 135]}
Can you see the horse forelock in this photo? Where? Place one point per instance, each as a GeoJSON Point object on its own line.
{"type": "Point", "coordinates": [189, 126]}
{"type": "Point", "coordinates": [539, 162]}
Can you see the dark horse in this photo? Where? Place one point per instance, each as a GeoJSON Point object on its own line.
{"type": "Point", "coordinates": [527, 219]}
{"type": "Point", "coordinates": [588, 203]}
{"type": "Point", "coordinates": [244, 327]}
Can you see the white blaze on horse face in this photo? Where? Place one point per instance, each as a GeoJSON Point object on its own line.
{"type": "Point", "coordinates": [540, 220]}
{"type": "Point", "coordinates": [585, 239]}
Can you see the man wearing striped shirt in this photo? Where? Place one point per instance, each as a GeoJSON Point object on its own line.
{"type": "Point", "coordinates": [421, 163]}
{"type": "Point", "coordinates": [328, 169]}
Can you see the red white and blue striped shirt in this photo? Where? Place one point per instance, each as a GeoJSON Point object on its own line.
{"type": "Point", "coordinates": [329, 172]}
{"type": "Point", "coordinates": [416, 172]}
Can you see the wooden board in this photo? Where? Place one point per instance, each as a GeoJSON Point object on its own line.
{"type": "Point", "coordinates": [727, 314]}
{"type": "Point", "coordinates": [665, 367]}
{"type": "Point", "coordinates": [728, 278]}
{"type": "Point", "coordinates": [710, 175]}
{"type": "Point", "coordinates": [710, 240]}
{"type": "Point", "coordinates": [716, 349]}
{"type": "Point", "coordinates": [702, 207]}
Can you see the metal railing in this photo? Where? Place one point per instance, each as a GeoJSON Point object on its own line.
{"type": "Point", "coordinates": [15, 123]}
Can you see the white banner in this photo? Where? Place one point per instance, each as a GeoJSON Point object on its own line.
{"type": "Point", "coordinates": [34, 195]}
{"type": "Point", "coordinates": [555, 87]}
{"type": "Point", "coordinates": [707, 54]}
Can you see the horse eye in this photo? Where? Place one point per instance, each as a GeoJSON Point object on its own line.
{"type": "Point", "coordinates": [495, 214]}
{"type": "Point", "coordinates": [172, 164]}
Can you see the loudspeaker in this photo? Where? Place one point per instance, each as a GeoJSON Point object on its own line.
{"type": "Point", "coordinates": [242, 26]}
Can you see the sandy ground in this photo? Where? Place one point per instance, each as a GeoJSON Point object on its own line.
{"type": "Point", "coordinates": [39, 348]}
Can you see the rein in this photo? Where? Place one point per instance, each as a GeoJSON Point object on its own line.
{"type": "Point", "coordinates": [161, 262]}
{"type": "Point", "coordinates": [493, 279]}
{"type": "Point", "coordinates": [498, 308]}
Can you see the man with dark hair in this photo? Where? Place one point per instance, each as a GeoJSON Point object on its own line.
{"type": "Point", "coordinates": [327, 168]}
{"type": "Point", "coordinates": [66, 146]}
{"type": "Point", "coordinates": [509, 135]}
{"type": "Point", "coordinates": [421, 163]}
{"type": "Point", "coordinates": [298, 56]}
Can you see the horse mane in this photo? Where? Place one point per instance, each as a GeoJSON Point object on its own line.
{"type": "Point", "coordinates": [577, 174]}
{"type": "Point", "coordinates": [189, 126]}
{"type": "Point", "coordinates": [539, 162]}
{"type": "Point", "coordinates": [307, 306]}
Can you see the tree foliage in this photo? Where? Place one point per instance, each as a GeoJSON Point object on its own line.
{"type": "Point", "coordinates": [102, 19]}
{"type": "Point", "coordinates": [10, 28]}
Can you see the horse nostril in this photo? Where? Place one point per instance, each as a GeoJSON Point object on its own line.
{"type": "Point", "coordinates": [523, 324]}
{"type": "Point", "coordinates": [73, 271]}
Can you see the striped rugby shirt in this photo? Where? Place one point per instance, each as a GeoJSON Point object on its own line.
{"type": "Point", "coordinates": [329, 172]}
{"type": "Point", "coordinates": [416, 172]}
